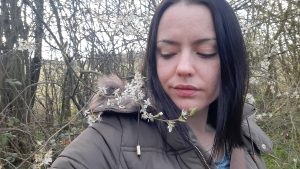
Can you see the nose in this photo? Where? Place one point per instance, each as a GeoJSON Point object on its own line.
{"type": "Point", "coordinates": [185, 64]}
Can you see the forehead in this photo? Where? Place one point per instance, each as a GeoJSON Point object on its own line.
{"type": "Point", "coordinates": [186, 19]}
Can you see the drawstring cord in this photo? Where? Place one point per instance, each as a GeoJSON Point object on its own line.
{"type": "Point", "coordinates": [252, 145]}
{"type": "Point", "coordinates": [138, 146]}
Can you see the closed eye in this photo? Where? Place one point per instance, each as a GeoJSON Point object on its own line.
{"type": "Point", "coordinates": [207, 55]}
{"type": "Point", "coordinates": [167, 55]}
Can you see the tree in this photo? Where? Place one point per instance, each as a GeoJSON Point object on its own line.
{"type": "Point", "coordinates": [14, 62]}
{"type": "Point", "coordinates": [51, 53]}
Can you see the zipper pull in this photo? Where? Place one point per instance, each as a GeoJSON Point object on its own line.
{"type": "Point", "coordinates": [138, 150]}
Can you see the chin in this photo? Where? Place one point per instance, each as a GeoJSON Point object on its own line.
{"type": "Point", "coordinates": [189, 105]}
{"type": "Point", "coordinates": [199, 104]}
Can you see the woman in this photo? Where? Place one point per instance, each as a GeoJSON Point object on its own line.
{"type": "Point", "coordinates": [196, 74]}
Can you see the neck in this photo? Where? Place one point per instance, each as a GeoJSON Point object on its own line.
{"type": "Point", "coordinates": [198, 121]}
{"type": "Point", "coordinates": [204, 134]}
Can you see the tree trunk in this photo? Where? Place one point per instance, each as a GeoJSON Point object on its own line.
{"type": "Point", "coordinates": [35, 65]}
{"type": "Point", "coordinates": [13, 96]}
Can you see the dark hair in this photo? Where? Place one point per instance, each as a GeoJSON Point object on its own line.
{"type": "Point", "coordinates": [225, 113]}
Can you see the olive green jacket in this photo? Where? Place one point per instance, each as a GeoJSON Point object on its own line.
{"type": "Point", "coordinates": [112, 144]}
{"type": "Point", "coordinates": [121, 140]}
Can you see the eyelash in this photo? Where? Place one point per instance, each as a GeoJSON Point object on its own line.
{"type": "Point", "coordinates": [206, 55]}
{"type": "Point", "coordinates": [168, 56]}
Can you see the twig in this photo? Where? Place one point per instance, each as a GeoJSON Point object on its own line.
{"type": "Point", "coordinates": [90, 71]}
{"type": "Point", "coordinates": [44, 145]}
{"type": "Point", "coordinates": [7, 162]}
{"type": "Point", "coordinates": [13, 129]}
{"type": "Point", "coordinates": [2, 112]}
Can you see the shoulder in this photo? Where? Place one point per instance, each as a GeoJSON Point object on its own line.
{"type": "Point", "coordinates": [129, 129]}
{"type": "Point", "coordinates": [97, 144]}
{"type": "Point", "coordinates": [102, 144]}
{"type": "Point", "coordinates": [255, 139]}
{"type": "Point", "coordinates": [253, 132]}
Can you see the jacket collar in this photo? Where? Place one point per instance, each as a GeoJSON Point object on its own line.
{"type": "Point", "coordinates": [108, 102]}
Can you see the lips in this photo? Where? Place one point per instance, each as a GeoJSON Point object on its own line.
{"type": "Point", "coordinates": [185, 90]}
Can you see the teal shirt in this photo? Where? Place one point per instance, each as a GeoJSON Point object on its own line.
{"type": "Point", "coordinates": [224, 163]}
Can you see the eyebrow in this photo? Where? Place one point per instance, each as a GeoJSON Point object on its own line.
{"type": "Point", "coordinates": [170, 42]}
{"type": "Point", "coordinates": [199, 41]}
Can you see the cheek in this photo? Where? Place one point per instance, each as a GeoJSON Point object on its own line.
{"type": "Point", "coordinates": [213, 79]}
{"type": "Point", "coordinates": [217, 83]}
{"type": "Point", "coordinates": [162, 71]}
{"type": "Point", "coordinates": [213, 88]}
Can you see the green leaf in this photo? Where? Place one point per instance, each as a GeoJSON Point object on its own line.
{"type": "Point", "coordinates": [12, 121]}
{"type": "Point", "coordinates": [11, 157]}
{"type": "Point", "coordinates": [4, 138]}
{"type": "Point", "coordinates": [13, 82]}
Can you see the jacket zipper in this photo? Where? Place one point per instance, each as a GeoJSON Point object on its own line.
{"type": "Point", "coordinates": [201, 155]}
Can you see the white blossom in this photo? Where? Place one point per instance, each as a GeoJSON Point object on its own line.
{"type": "Point", "coordinates": [116, 92]}
{"type": "Point", "coordinates": [42, 158]}
{"type": "Point", "coordinates": [102, 91]}
{"type": "Point", "coordinates": [259, 117]}
{"type": "Point", "coordinates": [294, 160]}
{"type": "Point", "coordinates": [92, 117]}
{"type": "Point", "coordinates": [122, 107]}
{"type": "Point", "coordinates": [184, 113]}
{"type": "Point", "coordinates": [253, 80]}
{"type": "Point", "coordinates": [160, 113]}
{"type": "Point", "coordinates": [25, 45]}
{"type": "Point", "coordinates": [265, 64]}
{"type": "Point", "coordinates": [263, 115]}
{"type": "Point", "coordinates": [295, 94]}
{"type": "Point", "coordinates": [129, 31]}
{"type": "Point", "coordinates": [48, 158]}
{"type": "Point", "coordinates": [109, 103]}
{"type": "Point", "coordinates": [250, 98]}
{"type": "Point", "coordinates": [134, 90]}
{"type": "Point", "coordinates": [278, 94]}
{"type": "Point", "coordinates": [39, 142]}
{"type": "Point", "coordinates": [147, 102]}
{"type": "Point", "coordinates": [171, 125]}
{"type": "Point", "coordinates": [144, 115]}
{"type": "Point", "coordinates": [147, 116]}
{"type": "Point", "coordinates": [272, 88]}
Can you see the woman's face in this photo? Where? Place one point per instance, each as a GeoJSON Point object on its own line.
{"type": "Point", "coordinates": [188, 64]}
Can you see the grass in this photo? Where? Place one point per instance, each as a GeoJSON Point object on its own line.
{"type": "Point", "coordinates": [286, 139]}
